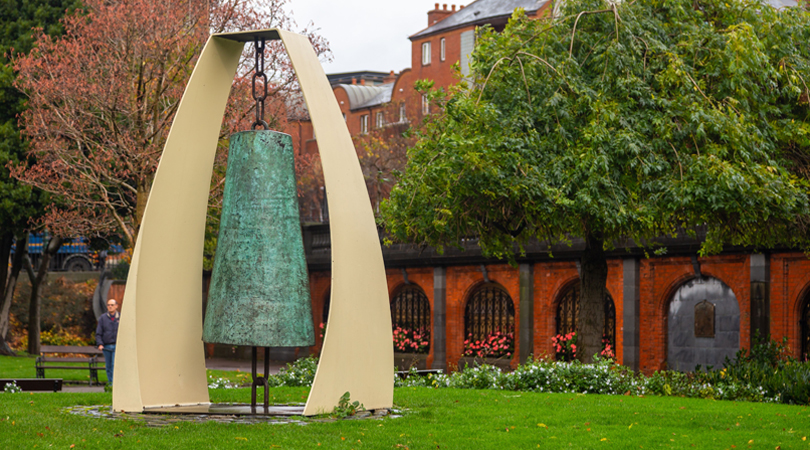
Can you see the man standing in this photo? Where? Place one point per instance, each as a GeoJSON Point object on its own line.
{"type": "Point", "coordinates": [106, 334]}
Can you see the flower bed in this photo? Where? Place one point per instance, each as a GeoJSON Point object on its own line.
{"type": "Point", "coordinates": [496, 345]}
{"type": "Point", "coordinates": [407, 340]}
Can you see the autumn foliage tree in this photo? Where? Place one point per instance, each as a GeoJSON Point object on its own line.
{"type": "Point", "coordinates": [383, 153]}
{"type": "Point", "coordinates": [103, 96]}
{"type": "Point", "coordinates": [21, 205]}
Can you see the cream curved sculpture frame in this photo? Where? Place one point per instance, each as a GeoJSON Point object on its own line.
{"type": "Point", "coordinates": [160, 357]}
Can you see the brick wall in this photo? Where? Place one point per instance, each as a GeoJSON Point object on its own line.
{"type": "Point", "coordinates": [660, 278]}
{"type": "Point", "coordinates": [790, 285]}
{"type": "Point", "coordinates": [421, 277]}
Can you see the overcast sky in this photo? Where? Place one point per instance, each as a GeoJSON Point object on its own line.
{"type": "Point", "coordinates": [366, 34]}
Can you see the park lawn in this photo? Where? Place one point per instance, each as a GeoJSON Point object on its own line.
{"type": "Point", "coordinates": [432, 418]}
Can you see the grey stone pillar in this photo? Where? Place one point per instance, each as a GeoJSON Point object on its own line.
{"type": "Point", "coordinates": [439, 318]}
{"type": "Point", "coordinates": [760, 296]}
{"type": "Point", "coordinates": [631, 303]}
{"type": "Point", "coordinates": [526, 326]}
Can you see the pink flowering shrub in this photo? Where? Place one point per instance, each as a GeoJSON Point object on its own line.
{"type": "Point", "coordinates": [495, 345]}
{"type": "Point", "coordinates": [607, 349]}
{"type": "Point", "coordinates": [565, 346]}
{"type": "Point", "coordinates": [407, 340]}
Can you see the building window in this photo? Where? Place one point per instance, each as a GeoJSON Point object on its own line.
{"type": "Point", "coordinates": [441, 47]}
{"type": "Point", "coordinates": [425, 105]}
{"type": "Point", "coordinates": [425, 53]}
{"type": "Point", "coordinates": [364, 124]}
{"type": "Point", "coordinates": [402, 117]}
{"type": "Point", "coordinates": [344, 117]}
{"type": "Point", "coordinates": [380, 120]}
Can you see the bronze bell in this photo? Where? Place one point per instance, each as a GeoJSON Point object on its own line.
{"type": "Point", "coordinates": [259, 292]}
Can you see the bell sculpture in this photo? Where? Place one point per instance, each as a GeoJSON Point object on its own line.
{"type": "Point", "coordinates": [259, 291]}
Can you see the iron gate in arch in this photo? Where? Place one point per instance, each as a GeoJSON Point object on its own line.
{"type": "Point", "coordinates": [489, 310]}
{"type": "Point", "coordinates": [568, 311]}
{"type": "Point", "coordinates": [410, 308]}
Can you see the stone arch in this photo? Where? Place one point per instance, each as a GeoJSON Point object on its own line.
{"type": "Point", "coordinates": [702, 323]}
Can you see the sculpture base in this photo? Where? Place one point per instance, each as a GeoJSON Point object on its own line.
{"type": "Point", "coordinates": [229, 409]}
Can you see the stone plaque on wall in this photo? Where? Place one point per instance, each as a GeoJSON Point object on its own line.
{"type": "Point", "coordinates": [704, 319]}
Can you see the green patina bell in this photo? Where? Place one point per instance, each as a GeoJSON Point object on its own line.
{"type": "Point", "coordinates": [259, 292]}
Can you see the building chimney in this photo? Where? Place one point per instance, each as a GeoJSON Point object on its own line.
{"type": "Point", "coordinates": [437, 15]}
{"type": "Point", "coordinates": [390, 78]}
{"type": "Point", "coordinates": [362, 81]}
{"type": "Point", "coordinates": [454, 7]}
{"type": "Point", "coordinates": [354, 80]}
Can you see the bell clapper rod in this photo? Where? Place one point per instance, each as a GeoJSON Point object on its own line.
{"type": "Point", "coordinates": [258, 72]}
{"type": "Point", "coordinates": [259, 381]}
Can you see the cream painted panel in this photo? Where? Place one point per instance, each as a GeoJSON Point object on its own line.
{"type": "Point", "coordinates": [358, 353]}
{"type": "Point", "coordinates": [160, 358]}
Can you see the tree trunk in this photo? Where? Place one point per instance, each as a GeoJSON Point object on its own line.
{"type": "Point", "coordinates": [9, 284]}
{"type": "Point", "coordinates": [36, 290]}
{"type": "Point", "coordinates": [141, 198]}
{"type": "Point", "coordinates": [593, 290]}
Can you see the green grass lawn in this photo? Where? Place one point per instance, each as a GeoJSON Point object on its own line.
{"type": "Point", "coordinates": [433, 418]}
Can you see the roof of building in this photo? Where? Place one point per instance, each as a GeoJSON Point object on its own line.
{"type": "Point", "coordinates": [481, 12]}
{"type": "Point", "coordinates": [361, 96]}
{"type": "Point", "coordinates": [371, 77]}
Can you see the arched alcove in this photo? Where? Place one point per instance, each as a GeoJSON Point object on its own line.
{"type": "Point", "coordinates": [410, 317]}
{"type": "Point", "coordinates": [489, 309]}
{"type": "Point", "coordinates": [568, 311]}
{"type": "Point", "coordinates": [703, 325]}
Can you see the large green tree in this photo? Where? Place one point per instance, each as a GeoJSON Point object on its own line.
{"type": "Point", "coordinates": [19, 203]}
{"type": "Point", "coordinates": [616, 121]}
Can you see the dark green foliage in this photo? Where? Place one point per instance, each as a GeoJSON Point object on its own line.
{"type": "Point", "coordinates": [120, 271]}
{"type": "Point", "coordinates": [640, 121]}
{"type": "Point", "coordinates": [65, 306]}
{"type": "Point", "coordinates": [769, 364]}
{"type": "Point", "coordinates": [18, 18]}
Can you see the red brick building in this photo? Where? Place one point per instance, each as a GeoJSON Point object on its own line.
{"type": "Point", "coordinates": [665, 312]}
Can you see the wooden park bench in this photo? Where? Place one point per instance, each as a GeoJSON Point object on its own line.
{"type": "Point", "coordinates": [89, 358]}
{"type": "Point", "coordinates": [33, 384]}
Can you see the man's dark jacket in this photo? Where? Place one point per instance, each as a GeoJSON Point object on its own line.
{"type": "Point", "coordinates": [107, 330]}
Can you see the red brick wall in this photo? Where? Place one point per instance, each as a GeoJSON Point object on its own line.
{"type": "Point", "coordinates": [462, 281]}
{"type": "Point", "coordinates": [551, 280]}
{"type": "Point", "coordinates": [661, 278]}
{"type": "Point", "coordinates": [422, 277]}
{"type": "Point", "coordinates": [790, 285]}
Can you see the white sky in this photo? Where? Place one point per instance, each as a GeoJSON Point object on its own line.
{"type": "Point", "coordinates": [366, 34]}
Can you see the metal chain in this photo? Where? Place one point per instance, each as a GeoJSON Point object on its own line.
{"type": "Point", "coordinates": [258, 72]}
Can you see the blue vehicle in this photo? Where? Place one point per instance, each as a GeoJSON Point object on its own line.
{"type": "Point", "coordinates": [75, 254]}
